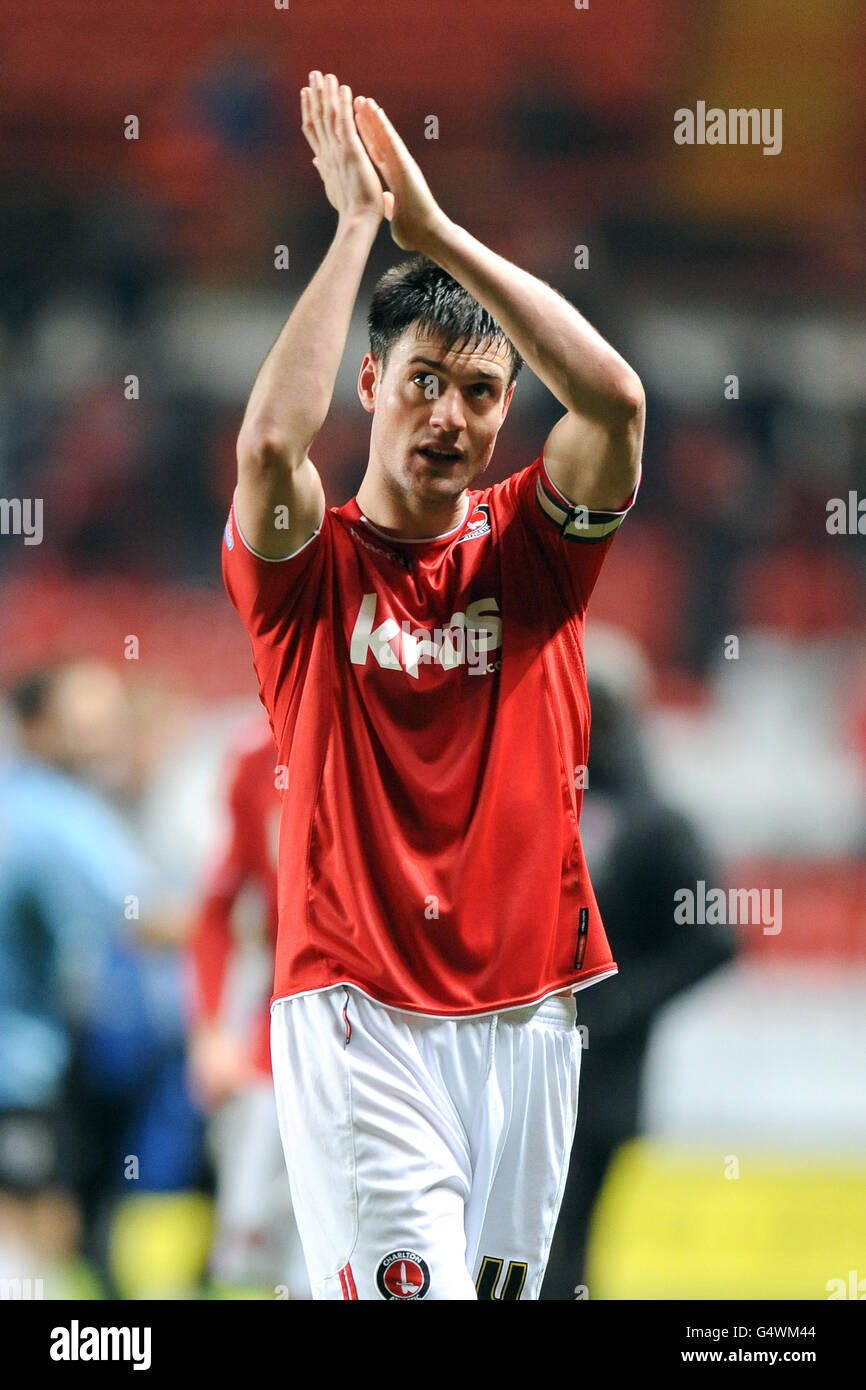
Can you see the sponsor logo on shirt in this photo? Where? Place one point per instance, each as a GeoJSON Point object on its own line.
{"type": "Point", "coordinates": [468, 640]}
{"type": "Point", "coordinates": [379, 549]}
{"type": "Point", "coordinates": [229, 534]}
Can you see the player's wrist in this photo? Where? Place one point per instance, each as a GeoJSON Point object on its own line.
{"type": "Point", "coordinates": [363, 220]}
{"type": "Point", "coordinates": [435, 234]}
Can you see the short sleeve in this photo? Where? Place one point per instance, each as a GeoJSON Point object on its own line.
{"type": "Point", "coordinates": [269, 593]}
{"type": "Point", "coordinates": [573, 537]}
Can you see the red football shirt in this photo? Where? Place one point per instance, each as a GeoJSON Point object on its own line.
{"type": "Point", "coordinates": [246, 859]}
{"type": "Point", "coordinates": [428, 701]}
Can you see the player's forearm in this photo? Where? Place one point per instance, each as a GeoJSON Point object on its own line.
{"type": "Point", "coordinates": [210, 949]}
{"type": "Point", "coordinates": [292, 393]}
{"type": "Point", "coordinates": [582, 370]}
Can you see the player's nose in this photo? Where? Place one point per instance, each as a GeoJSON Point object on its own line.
{"type": "Point", "coordinates": [448, 412]}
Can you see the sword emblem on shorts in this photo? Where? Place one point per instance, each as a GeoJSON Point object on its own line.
{"type": "Point", "coordinates": [403, 1274]}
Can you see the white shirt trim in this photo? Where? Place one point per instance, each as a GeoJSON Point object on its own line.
{"type": "Point", "coordinates": [415, 540]}
{"type": "Point", "coordinates": [601, 511]}
{"type": "Point", "coordinates": [454, 1018]}
{"type": "Point", "coordinates": [274, 559]}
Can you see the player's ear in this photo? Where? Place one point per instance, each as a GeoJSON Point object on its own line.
{"type": "Point", "coordinates": [368, 381]}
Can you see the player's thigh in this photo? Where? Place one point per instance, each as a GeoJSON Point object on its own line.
{"type": "Point", "coordinates": [378, 1180]}
{"type": "Point", "coordinates": [533, 1093]}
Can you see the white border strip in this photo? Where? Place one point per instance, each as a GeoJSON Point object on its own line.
{"type": "Point", "coordinates": [415, 540]}
{"type": "Point", "coordinates": [604, 510]}
{"type": "Point", "coordinates": [274, 559]}
{"type": "Point", "coordinates": [452, 1018]}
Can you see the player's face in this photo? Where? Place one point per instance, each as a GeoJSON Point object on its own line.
{"type": "Point", "coordinates": [436, 414]}
{"type": "Point", "coordinates": [86, 727]}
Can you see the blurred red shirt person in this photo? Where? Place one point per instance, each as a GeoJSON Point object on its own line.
{"type": "Point", "coordinates": [247, 859]}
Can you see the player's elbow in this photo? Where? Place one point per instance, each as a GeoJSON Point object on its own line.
{"type": "Point", "coordinates": [628, 398]}
{"type": "Point", "coordinates": [264, 449]}
{"type": "Point", "coordinates": [617, 402]}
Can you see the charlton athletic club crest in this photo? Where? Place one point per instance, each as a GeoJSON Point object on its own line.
{"type": "Point", "coordinates": [479, 524]}
{"type": "Point", "coordinates": [403, 1274]}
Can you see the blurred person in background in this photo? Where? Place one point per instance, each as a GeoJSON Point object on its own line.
{"type": "Point", "coordinates": [88, 1018]}
{"type": "Point", "coordinates": [256, 1246]}
{"type": "Point", "coordinates": [640, 851]}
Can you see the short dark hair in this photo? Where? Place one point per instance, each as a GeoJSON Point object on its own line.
{"type": "Point", "coordinates": [29, 695]}
{"type": "Point", "coordinates": [418, 291]}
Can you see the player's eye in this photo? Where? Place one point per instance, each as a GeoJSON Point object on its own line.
{"type": "Point", "coordinates": [482, 388]}
{"type": "Point", "coordinates": [427, 379]}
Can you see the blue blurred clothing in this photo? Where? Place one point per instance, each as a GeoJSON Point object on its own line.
{"type": "Point", "coordinates": [133, 1069]}
{"type": "Point", "coordinates": [68, 869]}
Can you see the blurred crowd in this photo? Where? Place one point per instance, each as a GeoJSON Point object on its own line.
{"type": "Point", "coordinates": [93, 1090]}
{"type": "Point", "coordinates": [129, 349]}
{"type": "Point", "coordinates": [122, 1025]}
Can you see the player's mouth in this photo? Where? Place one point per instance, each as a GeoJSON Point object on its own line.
{"type": "Point", "coordinates": [436, 454]}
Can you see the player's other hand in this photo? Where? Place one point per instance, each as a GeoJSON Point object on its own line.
{"type": "Point", "coordinates": [414, 213]}
{"type": "Point", "coordinates": [352, 185]}
{"type": "Point", "coordinates": [219, 1066]}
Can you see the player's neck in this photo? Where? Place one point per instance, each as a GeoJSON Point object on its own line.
{"type": "Point", "coordinates": [409, 517]}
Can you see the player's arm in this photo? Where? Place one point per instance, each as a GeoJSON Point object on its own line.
{"type": "Point", "coordinates": [218, 1063]}
{"type": "Point", "coordinates": [293, 390]}
{"type": "Point", "coordinates": [593, 453]}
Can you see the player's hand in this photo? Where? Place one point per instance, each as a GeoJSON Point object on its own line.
{"type": "Point", "coordinates": [219, 1066]}
{"type": "Point", "coordinates": [414, 213]}
{"type": "Point", "coordinates": [352, 185]}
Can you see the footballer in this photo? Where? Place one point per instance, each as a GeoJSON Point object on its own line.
{"type": "Point", "coordinates": [419, 652]}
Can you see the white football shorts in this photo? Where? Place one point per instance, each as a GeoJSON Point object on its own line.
{"type": "Point", "coordinates": [427, 1156]}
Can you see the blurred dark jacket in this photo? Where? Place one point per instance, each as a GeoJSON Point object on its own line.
{"type": "Point", "coordinates": [639, 851]}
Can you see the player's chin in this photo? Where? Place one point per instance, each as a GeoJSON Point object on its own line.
{"type": "Point", "coordinates": [438, 480]}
